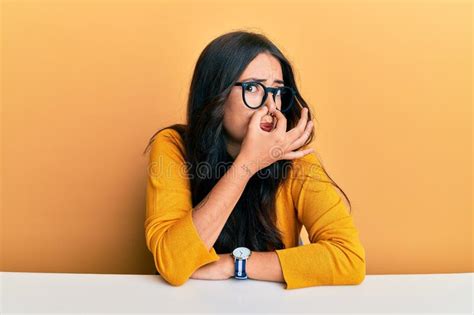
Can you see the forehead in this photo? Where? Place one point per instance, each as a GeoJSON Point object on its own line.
{"type": "Point", "coordinates": [264, 66]}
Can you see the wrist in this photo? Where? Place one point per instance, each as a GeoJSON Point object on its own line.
{"type": "Point", "coordinates": [240, 256]}
{"type": "Point", "coordinates": [244, 167]}
{"type": "Point", "coordinates": [229, 265]}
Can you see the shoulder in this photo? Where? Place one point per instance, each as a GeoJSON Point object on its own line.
{"type": "Point", "coordinates": [168, 133]}
{"type": "Point", "coordinates": [308, 165]}
{"type": "Point", "coordinates": [167, 143]}
{"type": "Point", "coordinates": [308, 174]}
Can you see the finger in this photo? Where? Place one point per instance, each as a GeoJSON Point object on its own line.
{"type": "Point", "coordinates": [300, 127]}
{"type": "Point", "coordinates": [302, 139]}
{"type": "Point", "coordinates": [257, 117]}
{"type": "Point", "coordinates": [281, 122]}
{"type": "Point", "coordinates": [297, 154]}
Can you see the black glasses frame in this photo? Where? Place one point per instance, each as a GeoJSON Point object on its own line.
{"type": "Point", "coordinates": [267, 89]}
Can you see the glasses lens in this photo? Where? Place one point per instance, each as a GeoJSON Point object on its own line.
{"type": "Point", "coordinates": [253, 93]}
{"type": "Point", "coordinates": [286, 98]}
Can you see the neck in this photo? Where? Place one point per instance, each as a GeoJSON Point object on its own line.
{"type": "Point", "coordinates": [233, 147]}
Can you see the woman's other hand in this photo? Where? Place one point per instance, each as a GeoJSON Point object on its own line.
{"type": "Point", "coordinates": [262, 148]}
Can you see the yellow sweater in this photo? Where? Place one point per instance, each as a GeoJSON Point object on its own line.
{"type": "Point", "coordinates": [335, 255]}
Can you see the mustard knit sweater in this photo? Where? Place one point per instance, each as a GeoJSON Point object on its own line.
{"type": "Point", "coordinates": [335, 255]}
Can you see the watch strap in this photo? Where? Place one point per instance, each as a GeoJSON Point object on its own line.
{"type": "Point", "coordinates": [240, 270]}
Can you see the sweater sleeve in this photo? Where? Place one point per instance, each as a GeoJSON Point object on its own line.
{"type": "Point", "coordinates": [170, 233]}
{"type": "Point", "coordinates": [335, 255]}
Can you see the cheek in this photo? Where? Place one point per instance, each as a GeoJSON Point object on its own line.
{"type": "Point", "coordinates": [236, 119]}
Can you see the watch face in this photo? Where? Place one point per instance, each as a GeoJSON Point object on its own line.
{"type": "Point", "coordinates": [241, 252]}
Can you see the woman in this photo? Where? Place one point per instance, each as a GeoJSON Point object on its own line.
{"type": "Point", "coordinates": [229, 192]}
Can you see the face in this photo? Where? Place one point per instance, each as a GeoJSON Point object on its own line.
{"type": "Point", "coordinates": [236, 114]}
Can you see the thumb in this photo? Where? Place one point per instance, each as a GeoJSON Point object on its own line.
{"type": "Point", "coordinates": [257, 117]}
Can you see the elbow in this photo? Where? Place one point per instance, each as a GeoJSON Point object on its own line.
{"type": "Point", "coordinates": [171, 272]}
{"type": "Point", "coordinates": [169, 269]}
{"type": "Point", "coordinates": [166, 263]}
{"type": "Point", "coordinates": [355, 270]}
{"type": "Point", "coordinates": [359, 273]}
{"type": "Point", "coordinates": [359, 270]}
{"type": "Point", "coordinates": [352, 265]}
{"type": "Point", "coordinates": [174, 280]}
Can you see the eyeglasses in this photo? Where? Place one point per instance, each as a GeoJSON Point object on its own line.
{"type": "Point", "coordinates": [255, 93]}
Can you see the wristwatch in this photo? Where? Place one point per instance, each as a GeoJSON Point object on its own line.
{"type": "Point", "coordinates": [241, 254]}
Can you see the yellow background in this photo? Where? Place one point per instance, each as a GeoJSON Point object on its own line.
{"type": "Point", "coordinates": [86, 83]}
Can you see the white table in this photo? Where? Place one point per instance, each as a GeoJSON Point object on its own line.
{"type": "Point", "coordinates": [101, 293]}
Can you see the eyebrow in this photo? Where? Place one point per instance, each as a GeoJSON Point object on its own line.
{"type": "Point", "coordinates": [263, 80]}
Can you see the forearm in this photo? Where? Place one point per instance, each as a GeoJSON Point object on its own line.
{"type": "Point", "coordinates": [211, 214]}
{"type": "Point", "coordinates": [264, 266]}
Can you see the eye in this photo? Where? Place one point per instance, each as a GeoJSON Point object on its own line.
{"type": "Point", "coordinates": [249, 87]}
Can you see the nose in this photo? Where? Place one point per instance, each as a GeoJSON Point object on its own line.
{"type": "Point", "coordinates": [270, 103]}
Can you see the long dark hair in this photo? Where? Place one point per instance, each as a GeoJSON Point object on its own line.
{"type": "Point", "coordinates": [252, 222]}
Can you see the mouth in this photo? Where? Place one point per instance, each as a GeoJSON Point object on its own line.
{"type": "Point", "coordinates": [266, 126]}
